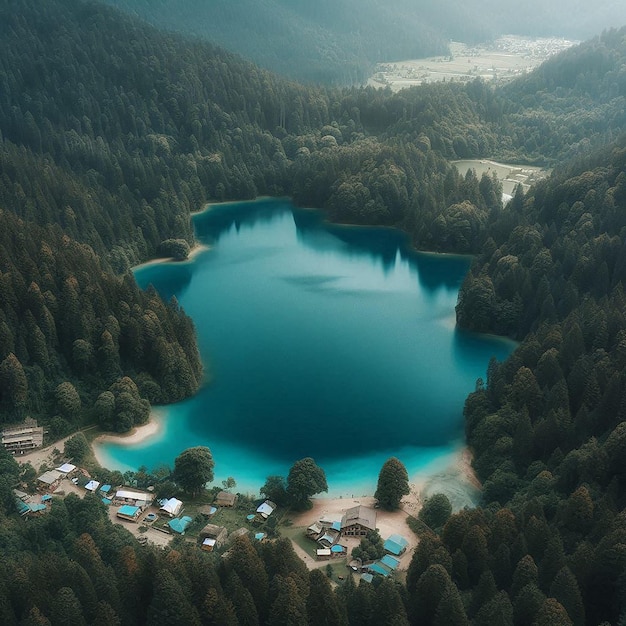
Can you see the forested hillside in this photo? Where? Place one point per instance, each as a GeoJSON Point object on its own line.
{"type": "Point", "coordinates": [113, 132]}
{"type": "Point", "coordinates": [339, 41]}
{"type": "Point", "coordinates": [116, 143]}
{"type": "Point", "coordinates": [322, 42]}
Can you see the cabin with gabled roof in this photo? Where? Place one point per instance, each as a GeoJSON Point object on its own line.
{"type": "Point", "coordinates": [358, 521]}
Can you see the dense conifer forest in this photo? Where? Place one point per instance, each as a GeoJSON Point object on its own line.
{"type": "Point", "coordinates": [112, 133]}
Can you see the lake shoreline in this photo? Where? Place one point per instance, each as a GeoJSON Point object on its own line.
{"type": "Point", "coordinates": [193, 252]}
{"type": "Point", "coordinates": [457, 468]}
{"type": "Point", "coordinates": [139, 434]}
{"type": "Point", "coordinates": [347, 471]}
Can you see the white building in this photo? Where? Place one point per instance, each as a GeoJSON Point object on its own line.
{"type": "Point", "coordinates": [171, 507]}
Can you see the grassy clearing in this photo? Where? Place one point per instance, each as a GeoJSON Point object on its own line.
{"type": "Point", "coordinates": [297, 535]}
{"type": "Point", "coordinates": [339, 570]}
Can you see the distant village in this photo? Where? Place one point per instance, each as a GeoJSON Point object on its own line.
{"type": "Point", "coordinates": [499, 61]}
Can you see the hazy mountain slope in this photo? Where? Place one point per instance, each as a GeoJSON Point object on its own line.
{"type": "Point", "coordinates": [573, 101]}
{"type": "Point", "coordinates": [573, 19]}
{"type": "Point", "coordinates": [339, 41]}
{"type": "Point", "coordinates": [329, 42]}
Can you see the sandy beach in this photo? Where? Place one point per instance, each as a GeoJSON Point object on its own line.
{"type": "Point", "coordinates": [197, 249]}
{"type": "Point", "coordinates": [139, 434]}
{"type": "Point", "coordinates": [458, 481]}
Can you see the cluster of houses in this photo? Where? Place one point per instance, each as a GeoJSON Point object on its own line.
{"type": "Point", "coordinates": [213, 537]}
{"type": "Point", "coordinates": [133, 504]}
{"type": "Point", "coordinates": [356, 522]}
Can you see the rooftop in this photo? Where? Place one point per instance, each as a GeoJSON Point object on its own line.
{"type": "Point", "coordinates": [362, 515]}
{"type": "Point", "coordinates": [128, 510]}
{"type": "Point", "coordinates": [396, 544]}
{"type": "Point", "coordinates": [179, 524]}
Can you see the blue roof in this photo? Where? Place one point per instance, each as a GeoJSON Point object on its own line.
{"type": "Point", "coordinates": [377, 568]}
{"type": "Point", "coordinates": [399, 539]}
{"type": "Point", "coordinates": [129, 510]}
{"type": "Point", "coordinates": [396, 544]}
{"type": "Point", "coordinates": [336, 526]}
{"type": "Point", "coordinates": [390, 561]}
{"type": "Point", "coordinates": [179, 524]}
{"type": "Point", "coordinates": [22, 507]}
{"type": "Point", "coordinates": [35, 508]}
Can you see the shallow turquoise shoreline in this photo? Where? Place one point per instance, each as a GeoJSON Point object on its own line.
{"type": "Point", "coordinates": [324, 341]}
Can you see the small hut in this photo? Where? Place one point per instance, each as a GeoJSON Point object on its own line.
{"type": "Point", "coordinates": [226, 499]}
{"type": "Point", "coordinates": [266, 509]}
{"type": "Point", "coordinates": [212, 536]}
{"type": "Point", "coordinates": [240, 532]}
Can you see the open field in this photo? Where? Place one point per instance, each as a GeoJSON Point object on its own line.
{"type": "Point", "coordinates": [509, 175]}
{"type": "Point", "coordinates": [499, 61]}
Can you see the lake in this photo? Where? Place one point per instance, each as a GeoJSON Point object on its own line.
{"type": "Point", "coordinates": [319, 340]}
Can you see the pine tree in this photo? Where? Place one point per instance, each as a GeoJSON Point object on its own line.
{"type": "Point", "coordinates": [393, 483]}
{"type": "Point", "coordinates": [242, 601]}
{"type": "Point", "coordinates": [322, 606]}
{"type": "Point", "coordinates": [169, 603]}
{"type": "Point", "coordinates": [388, 605]}
{"type": "Point", "coordinates": [528, 602]}
{"type": "Point", "coordinates": [289, 608]}
{"type": "Point", "coordinates": [526, 572]}
{"type": "Point", "coordinates": [565, 590]}
{"type": "Point", "coordinates": [436, 510]}
{"type": "Point", "coordinates": [66, 609]}
{"type": "Point", "coordinates": [450, 611]}
{"type": "Point", "coordinates": [552, 614]}
{"type": "Point", "coordinates": [429, 590]}
{"type": "Point", "coordinates": [497, 612]}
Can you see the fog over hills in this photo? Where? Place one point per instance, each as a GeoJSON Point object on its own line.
{"type": "Point", "coordinates": [338, 42]}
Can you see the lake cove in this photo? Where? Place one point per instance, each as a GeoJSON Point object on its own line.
{"type": "Point", "coordinates": [318, 340]}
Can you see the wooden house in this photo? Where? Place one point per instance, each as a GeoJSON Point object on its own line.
{"type": "Point", "coordinates": [358, 521]}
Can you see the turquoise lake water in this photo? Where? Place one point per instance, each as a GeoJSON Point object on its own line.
{"type": "Point", "coordinates": [333, 342]}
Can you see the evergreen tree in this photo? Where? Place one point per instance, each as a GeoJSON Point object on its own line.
{"type": "Point", "coordinates": [393, 483]}
{"type": "Point", "coordinates": [305, 479]}
{"type": "Point", "coordinates": [436, 510]}
{"type": "Point", "coordinates": [430, 589]}
{"type": "Point", "coordinates": [388, 605]}
{"type": "Point", "coordinates": [193, 468]}
{"type": "Point", "coordinates": [322, 607]}
{"type": "Point", "coordinates": [565, 590]}
{"type": "Point", "coordinates": [450, 610]}
{"type": "Point", "coordinates": [496, 612]}
{"type": "Point", "coordinates": [527, 604]}
{"type": "Point", "coordinates": [169, 603]}
{"type": "Point", "coordinates": [66, 609]}
{"type": "Point", "coordinates": [289, 608]}
{"type": "Point", "coordinates": [552, 614]}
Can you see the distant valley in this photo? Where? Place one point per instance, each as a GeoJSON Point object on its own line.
{"type": "Point", "coordinates": [500, 61]}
